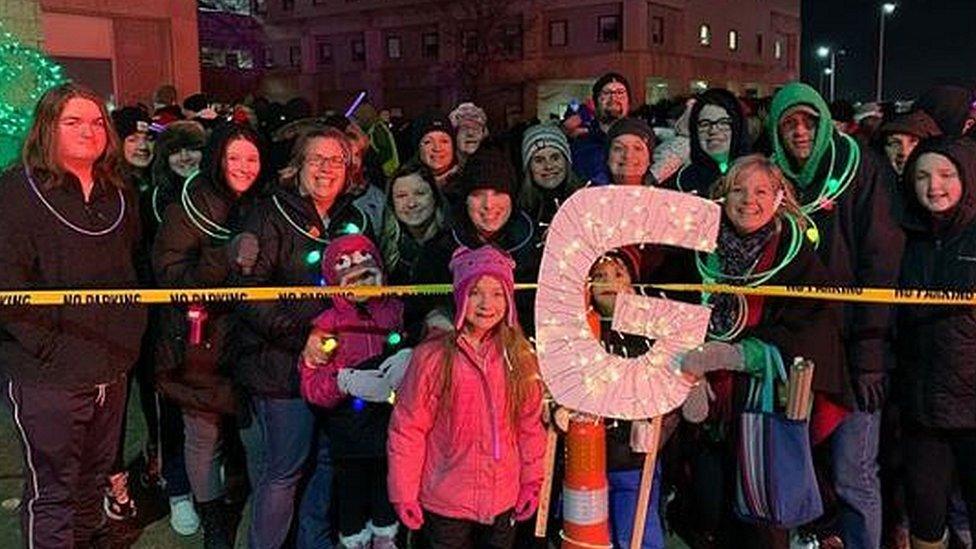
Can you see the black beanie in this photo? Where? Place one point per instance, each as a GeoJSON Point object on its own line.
{"type": "Point", "coordinates": [431, 122]}
{"type": "Point", "coordinates": [196, 102]}
{"type": "Point", "coordinates": [632, 126]}
{"type": "Point", "coordinates": [606, 79]}
{"type": "Point", "coordinates": [130, 120]}
{"type": "Point", "coordinates": [488, 168]}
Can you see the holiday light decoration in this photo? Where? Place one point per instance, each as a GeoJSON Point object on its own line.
{"type": "Point", "coordinates": [579, 373]}
{"type": "Point", "coordinates": [25, 74]}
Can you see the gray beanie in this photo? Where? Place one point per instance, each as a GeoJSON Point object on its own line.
{"type": "Point", "coordinates": [541, 136]}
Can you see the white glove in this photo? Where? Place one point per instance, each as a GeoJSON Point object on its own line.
{"type": "Point", "coordinates": [369, 385]}
{"type": "Point", "coordinates": [395, 367]}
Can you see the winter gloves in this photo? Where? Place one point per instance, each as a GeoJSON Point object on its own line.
{"type": "Point", "coordinates": [411, 515]}
{"type": "Point", "coordinates": [243, 251]}
{"type": "Point", "coordinates": [395, 367]}
{"type": "Point", "coordinates": [711, 356]}
{"type": "Point", "coordinates": [369, 385]}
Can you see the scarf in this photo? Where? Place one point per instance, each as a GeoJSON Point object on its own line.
{"type": "Point", "coordinates": [737, 256]}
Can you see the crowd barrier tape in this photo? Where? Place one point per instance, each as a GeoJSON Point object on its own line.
{"type": "Point", "coordinates": [889, 296]}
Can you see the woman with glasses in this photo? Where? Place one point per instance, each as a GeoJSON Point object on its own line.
{"type": "Point", "coordinates": [292, 229]}
{"type": "Point", "coordinates": [718, 136]}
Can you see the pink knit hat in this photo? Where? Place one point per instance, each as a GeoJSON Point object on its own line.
{"type": "Point", "coordinates": [469, 265]}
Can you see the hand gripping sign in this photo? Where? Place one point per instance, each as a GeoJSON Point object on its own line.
{"type": "Point", "coordinates": [579, 373]}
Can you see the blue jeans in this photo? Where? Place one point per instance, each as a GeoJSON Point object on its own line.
{"type": "Point", "coordinates": [623, 506]}
{"type": "Point", "coordinates": [277, 444]}
{"type": "Point", "coordinates": [854, 452]}
{"type": "Point", "coordinates": [203, 450]}
{"type": "Point", "coordinates": [314, 526]}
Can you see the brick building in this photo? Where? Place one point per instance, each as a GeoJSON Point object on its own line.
{"type": "Point", "coordinates": [124, 49]}
{"type": "Point", "coordinates": [525, 57]}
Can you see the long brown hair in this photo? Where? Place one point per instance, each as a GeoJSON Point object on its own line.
{"type": "Point", "coordinates": [40, 152]}
{"type": "Point", "coordinates": [521, 368]}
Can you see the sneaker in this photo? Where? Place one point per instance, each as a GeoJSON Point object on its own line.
{"type": "Point", "coordinates": [182, 516]}
{"type": "Point", "coordinates": [118, 505]}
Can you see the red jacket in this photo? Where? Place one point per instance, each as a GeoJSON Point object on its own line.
{"type": "Point", "coordinates": [465, 460]}
{"type": "Point", "coordinates": [361, 331]}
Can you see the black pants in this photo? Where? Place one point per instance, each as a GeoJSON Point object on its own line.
{"type": "Point", "coordinates": [361, 494]}
{"type": "Point", "coordinates": [69, 438]}
{"type": "Point", "coordinates": [450, 533]}
{"type": "Point", "coordinates": [931, 458]}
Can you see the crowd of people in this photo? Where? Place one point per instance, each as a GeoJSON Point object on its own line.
{"type": "Point", "coordinates": [391, 421]}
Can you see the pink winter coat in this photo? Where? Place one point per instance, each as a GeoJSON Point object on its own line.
{"type": "Point", "coordinates": [468, 461]}
{"type": "Point", "coordinates": [361, 331]}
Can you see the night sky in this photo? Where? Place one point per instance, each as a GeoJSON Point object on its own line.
{"type": "Point", "coordinates": [927, 42]}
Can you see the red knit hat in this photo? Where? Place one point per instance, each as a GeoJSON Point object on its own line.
{"type": "Point", "coordinates": [468, 266]}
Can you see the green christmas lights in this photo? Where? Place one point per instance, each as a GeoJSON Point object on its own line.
{"type": "Point", "coordinates": [25, 74]}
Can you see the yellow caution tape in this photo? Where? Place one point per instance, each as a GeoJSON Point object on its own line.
{"type": "Point", "coordinates": [210, 295]}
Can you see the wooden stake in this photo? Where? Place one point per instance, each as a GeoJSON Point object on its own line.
{"type": "Point", "coordinates": [647, 481]}
{"type": "Point", "coordinates": [542, 515]}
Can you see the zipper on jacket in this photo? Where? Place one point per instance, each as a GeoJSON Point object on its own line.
{"type": "Point", "coordinates": [495, 444]}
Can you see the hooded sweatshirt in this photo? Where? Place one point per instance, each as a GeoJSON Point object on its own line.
{"type": "Point", "coordinates": [937, 344]}
{"type": "Point", "coordinates": [703, 170]}
{"type": "Point", "coordinates": [844, 195]}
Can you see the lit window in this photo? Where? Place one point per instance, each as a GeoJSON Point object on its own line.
{"type": "Point", "coordinates": [733, 40]}
{"type": "Point", "coordinates": [393, 47]}
{"type": "Point", "coordinates": [557, 33]}
{"type": "Point", "coordinates": [705, 35]}
{"type": "Point", "coordinates": [698, 86]}
{"type": "Point", "coordinates": [778, 49]}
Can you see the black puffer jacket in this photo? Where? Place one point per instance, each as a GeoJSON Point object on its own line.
{"type": "Point", "coordinates": [67, 346]}
{"type": "Point", "coordinates": [184, 256]}
{"type": "Point", "coordinates": [270, 335]}
{"type": "Point", "coordinates": [937, 344]}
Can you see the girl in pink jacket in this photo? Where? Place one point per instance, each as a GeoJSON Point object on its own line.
{"type": "Point", "coordinates": [343, 369]}
{"type": "Point", "coordinates": [466, 440]}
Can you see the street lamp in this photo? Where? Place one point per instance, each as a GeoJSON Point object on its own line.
{"type": "Point", "coordinates": [825, 52]}
{"type": "Point", "coordinates": [825, 72]}
{"type": "Point", "coordinates": [887, 9]}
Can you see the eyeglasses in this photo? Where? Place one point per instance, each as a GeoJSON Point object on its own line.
{"type": "Point", "coordinates": [613, 93]}
{"type": "Point", "coordinates": [319, 161]}
{"type": "Point", "coordinates": [722, 124]}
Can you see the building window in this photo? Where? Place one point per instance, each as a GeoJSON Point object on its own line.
{"type": "Point", "coordinates": [557, 33]}
{"type": "Point", "coordinates": [287, 5]}
{"type": "Point", "coordinates": [657, 30]}
{"type": "Point", "coordinates": [323, 53]}
{"type": "Point", "coordinates": [469, 42]}
{"type": "Point", "coordinates": [431, 45]}
{"type": "Point", "coordinates": [705, 35]}
{"type": "Point", "coordinates": [733, 40]}
{"type": "Point", "coordinates": [393, 47]}
{"type": "Point", "coordinates": [260, 7]}
{"type": "Point", "coordinates": [512, 40]}
{"type": "Point", "coordinates": [699, 86]}
{"type": "Point", "coordinates": [295, 56]}
{"type": "Point", "coordinates": [778, 49]}
{"type": "Point", "coordinates": [759, 44]}
{"type": "Point", "coordinates": [245, 59]}
{"type": "Point", "coordinates": [268, 57]}
{"type": "Point", "coordinates": [608, 28]}
{"type": "Point", "coordinates": [358, 48]}
{"type": "Point", "coordinates": [212, 57]}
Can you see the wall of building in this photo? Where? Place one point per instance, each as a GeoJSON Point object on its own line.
{"type": "Point", "coordinates": [21, 18]}
{"type": "Point", "coordinates": [129, 47]}
{"type": "Point", "coordinates": [656, 46]}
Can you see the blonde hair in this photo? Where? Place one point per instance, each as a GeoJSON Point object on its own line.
{"type": "Point", "coordinates": [743, 167]}
{"type": "Point", "coordinates": [521, 368]}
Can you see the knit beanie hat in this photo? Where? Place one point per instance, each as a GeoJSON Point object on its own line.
{"type": "Point", "coordinates": [182, 134]}
{"type": "Point", "coordinates": [488, 168]}
{"type": "Point", "coordinates": [468, 112]}
{"type": "Point", "coordinates": [130, 120]}
{"type": "Point", "coordinates": [468, 266]}
{"type": "Point", "coordinates": [350, 256]}
{"type": "Point", "coordinates": [429, 123]}
{"type": "Point", "coordinates": [606, 79]}
{"type": "Point", "coordinates": [541, 136]}
{"type": "Point", "coordinates": [632, 126]}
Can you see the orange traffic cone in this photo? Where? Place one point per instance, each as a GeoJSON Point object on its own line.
{"type": "Point", "coordinates": [585, 494]}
